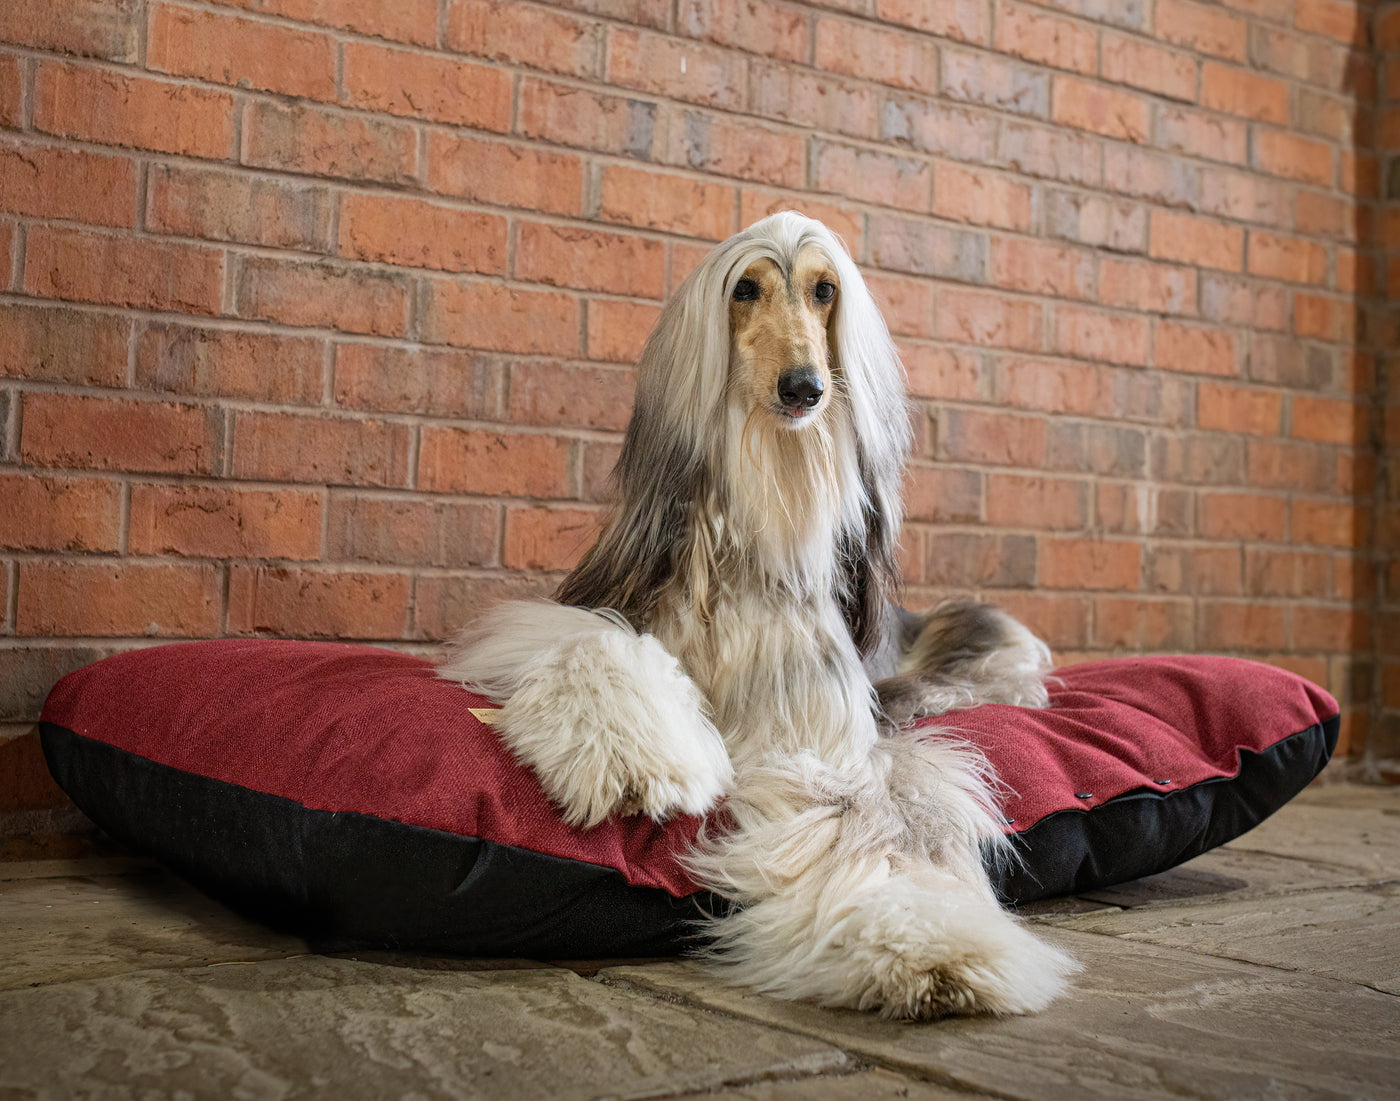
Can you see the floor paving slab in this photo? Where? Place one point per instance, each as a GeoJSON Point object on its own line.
{"type": "Point", "coordinates": [871, 1085]}
{"type": "Point", "coordinates": [1353, 935]}
{"type": "Point", "coordinates": [56, 929]}
{"type": "Point", "coordinates": [1364, 838]}
{"type": "Point", "coordinates": [1142, 1022]}
{"type": "Point", "coordinates": [316, 1027]}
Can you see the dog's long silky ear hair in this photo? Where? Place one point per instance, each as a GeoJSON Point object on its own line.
{"type": "Point", "coordinates": [661, 479]}
{"type": "Point", "coordinates": [866, 360]}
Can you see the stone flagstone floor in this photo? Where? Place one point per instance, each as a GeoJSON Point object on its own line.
{"type": "Point", "coordinates": [1269, 968]}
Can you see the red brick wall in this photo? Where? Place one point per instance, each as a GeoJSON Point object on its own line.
{"type": "Point", "coordinates": [317, 319]}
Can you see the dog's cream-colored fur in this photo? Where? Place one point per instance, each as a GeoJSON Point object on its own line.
{"type": "Point", "coordinates": [733, 636]}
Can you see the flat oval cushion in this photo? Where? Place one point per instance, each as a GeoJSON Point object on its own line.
{"type": "Point", "coordinates": [346, 793]}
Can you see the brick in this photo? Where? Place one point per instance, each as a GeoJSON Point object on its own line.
{"type": "Point", "coordinates": [596, 462]}
{"type": "Point", "coordinates": [846, 222]}
{"type": "Point", "coordinates": [1240, 409]}
{"type": "Point", "coordinates": [96, 599]}
{"type": "Point", "coordinates": [1288, 258]}
{"type": "Point", "coordinates": [992, 437]}
{"type": "Point", "coordinates": [1202, 569]}
{"type": "Point", "coordinates": [692, 72]}
{"type": "Point", "coordinates": [308, 602]}
{"type": "Point", "coordinates": [11, 92]}
{"type": "Point", "coordinates": [980, 197]}
{"type": "Point", "coordinates": [1038, 503]}
{"type": "Point", "coordinates": [1048, 39]}
{"type": "Point", "coordinates": [863, 174]}
{"type": "Point", "coordinates": [226, 49]}
{"type": "Point", "coordinates": [994, 81]}
{"type": "Point", "coordinates": [1328, 420]}
{"type": "Point", "coordinates": [514, 464]}
{"type": "Point", "coordinates": [406, 21]}
{"type": "Point", "coordinates": [323, 295]}
{"type": "Point", "coordinates": [63, 345]}
{"type": "Point", "coordinates": [92, 433]}
{"type": "Point", "coordinates": [1041, 267]}
{"type": "Point", "coordinates": [1147, 285]}
{"type": "Point", "coordinates": [1087, 105]}
{"type": "Point", "coordinates": [1284, 51]}
{"type": "Point", "coordinates": [965, 560]}
{"type": "Point", "coordinates": [230, 363]}
{"type": "Point", "coordinates": [120, 271]}
{"type": "Point", "coordinates": [762, 29]}
{"type": "Point", "coordinates": [1278, 464]}
{"type": "Point", "coordinates": [108, 29]}
{"type": "Point", "coordinates": [1087, 563]}
{"type": "Point", "coordinates": [1100, 337]}
{"type": "Point", "coordinates": [1188, 239]}
{"type": "Point", "coordinates": [1270, 572]}
{"type": "Point", "coordinates": [548, 538]}
{"type": "Point", "coordinates": [1246, 94]}
{"type": "Point", "coordinates": [590, 259]}
{"type": "Point", "coordinates": [937, 372]}
{"type": "Point", "coordinates": [1321, 215]}
{"type": "Point", "coordinates": [317, 142]}
{"type": "Point", "coordinates": [585, 119]}
{"type": "Point", "coordinates": [1344, 22]}
{"type": "Point", "coordinates": [324, 448]}
{"type": "Point", "coordinates": [443, 605]}
{"type": "Point", "coordinates": [1167, 180]}
{"type": "Point", "coordinates": [71, 184]}
{"type": "Point", "coordinates": [1198, 134]}
{"type": "Point", "coordinates": [441, 381]}
{"type": "Point", "coordinates": [1294, 157]}
{"type": "Point", "coordinates": [922, 247]}
{"type": "Point", "coordinates": [1048, 152]}
{"type": "Point", "coordinates": [1144, 509]}
{"type": "Point", "coordinates": [78, 515]}
{"type": "Point", "coordinates": [1285, 361]}
{"type": "Point", "coordinates": [28, 673]}
{"type": "Point", "coordinates": [1135, 624]}
{"type": "Point", "coordinates": [675, 204]}
{"type": "Point", "coordinates": [414, 233]}
{"type": "Point", "coordinates": [876, 53]}
{"type": "Point", "coordinates": [1244, 196]}
{"type": "Point", "coordinates": [1087, 219]}
{"type": "Point", "coordinates": [1239, 301]}
{"type": "Point", "coordinates": [538, 38]}
{"type": "Point", "coordinates": [1202, 28]}
{"type": "Point", "coordinates": [1097, 449]}
{"type": "Point", "coordinates": [1148, 66]}
{"type": "Point", "coordinates": [964, 20]}
{"type": "Point", "coordinates": [504, 174]}
{"type": "Point", "coordinates": [1195, 349]}
{"type": "Point", "coordinates": [1062, 620]}
{"type": "Point", "coordinates": [1228, 625]}
{"type": "Point", "coordinates": [723, 146]}
{"type": "Point", "coordinates": [933, 127]}
{"type": "Point", "coordinates": [226, 206]}
{"type": "Point", "coordinates": [1325, 318]}
{"type": "Point", "coordinates": [501, 319]}
{"type": "Point", "coordinates": [1387, 29]}
{"type": "Point", "coordinates": [1052, 385]}
{"type": "Point", "coordinates": [941, 494]}
{"type": "Point", "coordinates": [906, 304]}
{"type": "Point", "coordinates": [983, 319]}
{"type": "Point", "coordinates": [225, 522]}
{"type": "Point", "coordinates": [1327, 524]}
{"type": "Point", "coordinates": [1325, 115]}
{"type": "Point", "coordinates": [113, 108]}
{"type": "Point", "coordinates": [401, 82]}
{"type": "Point", "coordinates": [566, 395]}
{"type": "Point", "coordinates": [618, 330]}
{"type": "Point", "coordinates": [1247, 516]}
{"type": "Point", "coordinates": [819, 100]}
{"type": "Point", "coordinates": [405, 532]}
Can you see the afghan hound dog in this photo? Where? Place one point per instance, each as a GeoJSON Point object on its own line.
{"type": "Point", "coordinates": [733, 636]}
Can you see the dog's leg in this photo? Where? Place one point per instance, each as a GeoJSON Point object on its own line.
{"type": "Point", "coordinates": [868, 891]}
{"type": "Point", "coordinates": [960, 655]}
{"type": "Point", "coordinates": [604, 716]}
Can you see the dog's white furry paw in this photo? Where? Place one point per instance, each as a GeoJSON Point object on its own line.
{"type": "Point", "coordinates": [918, 953]}
{"type": "Point", "coordinates": [611, 725]}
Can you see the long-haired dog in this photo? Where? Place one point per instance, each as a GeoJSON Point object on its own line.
{"type": "Point", "coordinates": [733, 634]}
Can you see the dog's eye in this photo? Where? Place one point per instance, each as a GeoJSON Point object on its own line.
{"type": "Point", "coordinates": [746, 290]}
{"type": "Point", "coordinates": [824, 291]}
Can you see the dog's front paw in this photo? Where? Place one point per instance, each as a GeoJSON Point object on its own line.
{"type": "Point", "coordinates": [610, 724]}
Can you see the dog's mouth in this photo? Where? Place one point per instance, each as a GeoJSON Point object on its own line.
{"type": "Point", "coordinates": [796, 417]}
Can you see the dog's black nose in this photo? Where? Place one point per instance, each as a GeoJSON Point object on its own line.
{"type": "Point", "coordinates": [800, 387]}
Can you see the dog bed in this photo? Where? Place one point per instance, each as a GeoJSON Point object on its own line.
{"type": "Point", "coordinates": [345, 793]}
